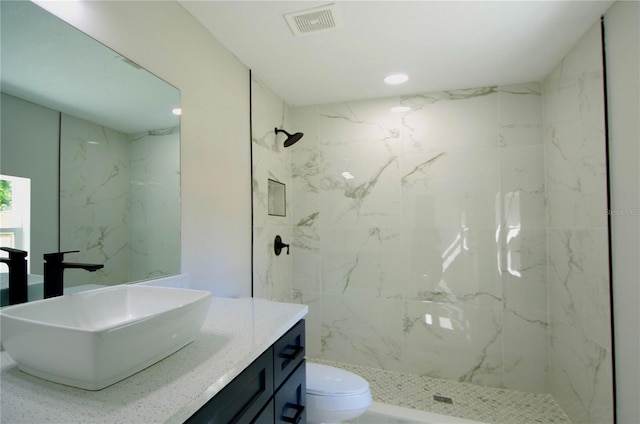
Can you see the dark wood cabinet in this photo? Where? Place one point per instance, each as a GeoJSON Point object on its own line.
{"type": "Point", "coordinates": [270, 390]}
{"type": "Point", "coordinates": [266, 416]}
{"type": "Point", "coordinates": [288, 353]}
{"type": "Point", "coordinates": [290, 399]}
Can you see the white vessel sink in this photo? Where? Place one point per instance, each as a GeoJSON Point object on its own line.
{"type": "Point", "coordinates": [96, 338]}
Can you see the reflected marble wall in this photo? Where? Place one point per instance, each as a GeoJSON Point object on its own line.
{"type": "Point", "coordinates": [420, 237]}
{"type": "Point", "coordinates": [154, 203]}
{"type": "Point", "coordinates": [580, 349]}
{"type": "Point", "coordinates": [119, 202]}
{"type": "Point", "coordinates": [94, 200]}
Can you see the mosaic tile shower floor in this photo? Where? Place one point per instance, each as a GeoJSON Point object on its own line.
{"type": "Point", "coordinates": [470, 401]}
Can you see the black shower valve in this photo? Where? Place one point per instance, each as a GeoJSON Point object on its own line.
{"type": "Point", "coordinates": [278, 245]}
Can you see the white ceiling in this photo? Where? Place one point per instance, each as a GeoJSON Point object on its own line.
{"type": "Point", "coordinates": [440, 44]}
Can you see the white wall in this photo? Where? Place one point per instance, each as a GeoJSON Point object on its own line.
{"type": "Point", "coordinates": [215, 161]}
{"type": "Point", "coordinates": [26, 128]}
{"type": "Point", "coordinates": [622, 29]}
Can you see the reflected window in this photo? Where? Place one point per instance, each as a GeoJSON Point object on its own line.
{"type": "Point", "coordinates": [15, 212]}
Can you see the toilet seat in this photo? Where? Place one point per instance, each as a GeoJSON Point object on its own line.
{"type": "Point", "coordinates": [323, 380]}
{"type": "Point", "coordinates": [345, 403]}
{"type": "Point", "coordinates": [335, 395]}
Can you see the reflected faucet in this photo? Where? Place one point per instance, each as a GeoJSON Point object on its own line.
{"type": "Point", "coordinates": [17, 264]}
{"type": "Point", "coordinates": [54, 270]}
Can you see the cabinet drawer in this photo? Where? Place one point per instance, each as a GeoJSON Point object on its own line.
{"type": "Point", "coordinates": [266, 416]}
{"type": "Point", "coordinates": [242, 399]}
{"type": "Point", "coordinates": [291, 399]}
{"type": "Point", "coordinates": [288, 353]}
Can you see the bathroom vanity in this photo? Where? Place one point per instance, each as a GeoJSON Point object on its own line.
{"type": "Point", "coordinates": [271, 389]}
{"type": "Point", "coordinates": [248, 359]}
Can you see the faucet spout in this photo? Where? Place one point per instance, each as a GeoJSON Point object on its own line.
{"type": "Point", "coordinates": [87, 267]}
{"type": "Point", "coordinates": [54, 272]}
{"type": "Point", "coordinates": [18, 285]}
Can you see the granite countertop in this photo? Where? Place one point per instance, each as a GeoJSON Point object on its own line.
{"type": "Point", "coordinates": [236, 332]}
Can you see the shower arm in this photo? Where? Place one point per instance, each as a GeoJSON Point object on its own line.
{"type": "Point", "coordinates": [291, 138]}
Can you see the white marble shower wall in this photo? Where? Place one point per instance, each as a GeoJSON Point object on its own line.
{"type": "Point", "coordinates": [463, 239]}
{"type": "Point", "coordinates": [419, 238]}
{"type": "Point", "coordinates": [270, 160]}
{"type": "Point", "coordinates": [119, 201]}
{"type": "Point", "coordinates": [578, 268]}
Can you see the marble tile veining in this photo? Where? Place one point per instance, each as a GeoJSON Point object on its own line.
{"type": "Point", "coordinates": [154, 203]}
{"type": "Point", "coordinates": [94, 199]}
{"type": "Point", "coordinates": [270, 160]}
{"type": "Point", "coordinates": [580, 357]}
{"type": "Point", "coordinates": [119, 201]}
{"type": "Point", "coordinates": [461, 239]}
{"type": "Point", "coordinates": [395, 219]}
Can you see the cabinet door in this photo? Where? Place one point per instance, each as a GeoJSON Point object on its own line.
{"type": "Point", "coordinates": [288, 353]}
{"type": "Point", "coordinates": [291, 399]}
{"type": "Point", "coordinates": [266, 416]}
{"type": "Point", "coordinates": [242, 399]}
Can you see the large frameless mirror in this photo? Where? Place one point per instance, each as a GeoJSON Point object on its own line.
{"type": "Point", "coordinates": [98, 138]}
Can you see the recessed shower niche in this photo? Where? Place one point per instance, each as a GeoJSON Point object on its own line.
{"type": "Point", "coordinates": [277, 198]}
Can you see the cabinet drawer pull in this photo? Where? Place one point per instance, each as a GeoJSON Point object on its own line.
{"type": "Point", "coordinates": [296, 418]}
{"type": "Point", "coordinates": [297, 351]}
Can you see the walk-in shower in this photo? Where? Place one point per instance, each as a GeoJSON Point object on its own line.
{"type": "Point", "coordinates": [462, 240]}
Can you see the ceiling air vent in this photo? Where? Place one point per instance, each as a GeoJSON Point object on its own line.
{"type": "Point", "coordinates": [313, 20]}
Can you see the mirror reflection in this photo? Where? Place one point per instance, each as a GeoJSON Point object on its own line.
{"type": "Point", "coordinates": [95, 137]}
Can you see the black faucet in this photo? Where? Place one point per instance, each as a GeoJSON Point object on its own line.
{"type": "Point", "coordinates": [17, 263]}
{"type": "Point", "coordinates": [54, 270]}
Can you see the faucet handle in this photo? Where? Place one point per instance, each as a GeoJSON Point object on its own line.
{"type": "Point", "coordinates": [57, 256]}
{"type": "Point", "coordinates": [278, 245]}
{"type": "Point", "coordinates": [15, 253]}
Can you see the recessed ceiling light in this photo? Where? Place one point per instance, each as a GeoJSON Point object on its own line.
{"type": "Point", "coordinates": [177, 111]}
{"type": "Point", "coordinates": [396, 79]}
{"type": "Point", "coordinates": [399, 109]}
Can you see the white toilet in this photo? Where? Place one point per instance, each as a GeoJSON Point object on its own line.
{"type": "Point", "coordinates": [335, 395]}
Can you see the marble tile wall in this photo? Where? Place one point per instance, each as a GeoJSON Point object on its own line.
{"type": "Point", "coordinates": [270, 160]}
{"type": "Point", "coordinates": [94, 200]}
{"type": "Point", "coordinates": [154, 203]}
{"type": "Point", "coordinates": [463, 239]}
{"type": "Point", "coordinates": [419, 238]}
{"type": "Point", "coordinates": [580, 348]}
{"type": "Point", "coordinates": [119, 202]}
